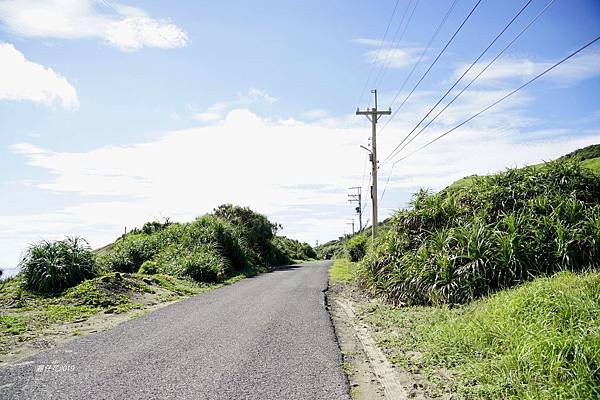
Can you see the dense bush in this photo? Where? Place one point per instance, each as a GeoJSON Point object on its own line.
{"type": "Point", "coordinates": [501, 230]}
{"type": "Point", "coordinates": [294, 249]}
{"type": "Point", "coordinates": [332, 249]}
{"type": "Point", "coordinates": [211, 248]}
{"type": "Point", "coordinates": [255, 230]}
{"type": "Point", "coordinates": [180, 248]}
{"type": "Point", "coordinates": [50, 267]}
{"type": "Point", "coordinates": [356, 247]}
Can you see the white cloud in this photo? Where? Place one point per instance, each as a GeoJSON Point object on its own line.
{"type": "Point", "coordinates": [218, 111]}
{"type": "Point", "coordinates": [581, 67]}
{"type": "Point", "coordinates": [388, 54]}
{"type": "Point", "coordinates": [297, 173]}
{"type": "Point", "coordinates": [316, 114]}
{"type": "Point", "coordinates": [21, 79]}
{"type": "Point", "coordinates": [394, 57]}
{"type": "Point", "coordinates": [127, 28]}
{"type": "Point", "coordinates": [247, 160]}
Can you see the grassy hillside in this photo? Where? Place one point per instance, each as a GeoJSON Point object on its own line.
{"type": "Point", "coordinates": [538, 341]}
{"type": "Point", "coordinates": [588, 157]}
{"type": "Point", "coordinates": [498, 281]}
{"type": "Point", "coordinates": [455, 246]}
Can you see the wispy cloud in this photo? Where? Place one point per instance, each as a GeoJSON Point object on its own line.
{"type": "Point", "coordinates": [21, 79]}
{"type": "Point", "coordinates": [394, 57]}
{"type": "Point", "coordinates": [389, 54]}
{"type": "Point", "coordinates": [316, 114]}
{"type": "Point", "coordinates": [218, 111]}
{"type": "Point", "coordinates": [127, 28]}
{"type": "Point", "coordinates": [506, 71]}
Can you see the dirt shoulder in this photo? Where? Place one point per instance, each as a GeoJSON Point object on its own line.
{"type": "Point", "coordinates": [371, 374]}
{"type": "Point", "coordinates": [377, 343]}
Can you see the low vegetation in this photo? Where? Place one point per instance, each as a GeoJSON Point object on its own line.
{"type": "Point", "coordinates": [26, 316]}
{"type": "Point", "coordinates": [343, 271]}
{"type": "Point", "coordinates": [65, 281]}
{"type": "Point", "coordinates": [455, 246]}
{"type": "Point", "coordinates": [353, 247]}
{"type": "Point", "coordinates": [497, 281]}
{"type": "Point", "coordinates": [356, 247]}
{"type": "Point", "coordinates": [538, 341]}
{"type": "Point", "coordinates": [210, 249]}
{"type": "Point", "coordinates": [294, 249]}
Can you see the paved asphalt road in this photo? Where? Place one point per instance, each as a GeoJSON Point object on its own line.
{"type": "Point", "coordinates": [267, 337]}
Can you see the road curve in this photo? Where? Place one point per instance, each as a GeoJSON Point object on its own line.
{"type": "Point", "coordinates": [266, 337]}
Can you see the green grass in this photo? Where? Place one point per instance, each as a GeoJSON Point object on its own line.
{"type": "Point", "coordinates": [593, 164]}
{"type": "Point", "coordinates": [540, 340]}
{"type": "Point", "coordinates": [25, 315]}
{"type": "Point", "coordinates": [12, 324]}
{"type": "Point", "coordinates": [342, 270]}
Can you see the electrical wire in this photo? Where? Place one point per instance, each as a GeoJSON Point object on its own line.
{"type": "Point", "coordinates": [502, 98]}
{"type": "Point", "coordinates": [395, 45]}
{"type": "Point", "coordinates": [433, 63]}
{"type": "Point", "coordinates": [477, 76]}
{"type": "Point", "coordinates": [362, 93]}
{"type": "Point", "coordinates": [394, 152]}
{"type": "Point", "coordinates": [431, 39]}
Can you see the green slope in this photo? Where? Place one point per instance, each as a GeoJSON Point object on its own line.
{"type": "Point", "coordinates": [538, 341]}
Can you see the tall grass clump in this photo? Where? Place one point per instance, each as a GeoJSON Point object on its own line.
{"type": "Point", "coordinates": [455, 246]}
{"type": "Point", "coordinates": [50, 267]}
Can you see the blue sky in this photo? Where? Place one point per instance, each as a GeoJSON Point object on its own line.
{"type": "Point", "coordinates": [114, 113]}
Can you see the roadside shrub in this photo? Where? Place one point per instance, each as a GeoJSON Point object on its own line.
{"type": "Point", "coordinates": [205, 264]}
{"type": "Point", "coordinates": [255, 231]}
{"type": "Point", "coordinates": [210, 248]}
{"type": "Point", "coordinates": [129, 253]}
{"type": "Point", "coordinates": [356, 247]}
{"type": "Point", "coordinates": [149, 268]}
{"type": "Point", "coordinates": [50, 267]}
{"type": "Point", "coordinates": [453, 247]}
{"type": "Point", "coordinates": [294, 249]}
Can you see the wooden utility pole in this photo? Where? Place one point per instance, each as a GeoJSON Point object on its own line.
{"type": "Point", "coordinates": [373, 115]}
{"type": "Point", "coordinates": [357, 197]}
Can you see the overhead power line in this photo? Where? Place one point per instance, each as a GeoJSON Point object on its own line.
{"type": "Point", "coordinates": [503, 98]}
{"type": "Point", "coordinates": [416, 64]}
{"type": "Point", "coordinates": [477, 76]}
{"type": "Point", "coordinates": [395, 45]}
{"type": "Point", "coordinates": [433, 63]}
{"type": "Point", "coordinates": [394, 152]}
{"type": "Point", "coordinates": [466, 87]}
{"type": "Point", "coordinates": [362, 92]}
